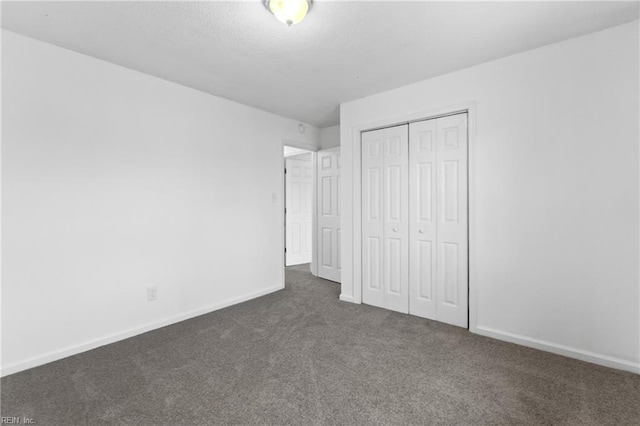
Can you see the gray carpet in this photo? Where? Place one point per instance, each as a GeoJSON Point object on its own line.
{"type": "Point", "coordinates": [299, 356]}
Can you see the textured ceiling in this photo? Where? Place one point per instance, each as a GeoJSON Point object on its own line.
{"type": "Point", "coordinates": [342, 51]}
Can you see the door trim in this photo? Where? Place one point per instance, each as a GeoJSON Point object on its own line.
{"type": "Point", "coordinates": [470, 109]}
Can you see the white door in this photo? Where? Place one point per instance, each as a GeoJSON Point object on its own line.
{"type": "Point", "coordinates": [329, 266]}
{"type": "Point", "coordinates": [422, 219]}
{"type": "Point", "coordinates": [438, 219]}
{"type": "Point", "coordinates": [385, 221]}
{"type": "Point", "coordinates": [414, 219]}
{"type": "Point", "coordinates": [298, 213]}
{"type": "Point", "coordinates": [452, 216]}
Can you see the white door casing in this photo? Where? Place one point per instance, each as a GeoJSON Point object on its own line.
{"type": "Point", "coordinates": [329, 260]}
{"type": "Point", "coordinates": [298, 213]}
{"type": "Point", "coordinates": [385, 224]}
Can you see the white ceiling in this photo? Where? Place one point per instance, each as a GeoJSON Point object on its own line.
{"type": "Point", "coordinates": [342, 51]}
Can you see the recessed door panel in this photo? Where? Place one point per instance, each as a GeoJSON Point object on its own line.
{"type": "Point", "coordinates": [325, 162]}
{"type": "Point", "coordinates": [425, 267]}
{"type": "Point", "coordinates": [327, 247]}
{"type": "Point", "coordinates": [424, 190]}
{"type": "Point", "coordinates": [426, 137]}
{"type": "Point", "coordinates": [393, 193]}
{"type": "Point", "coordinates": [374, 261]}
{"type": "Point", "coordinates": [373, 204]}
{"type": "Point", "coordinates": [451, 139]}
{"type": "Point", "coordinates": [450, 191]}
{"type": "Point", "coordinates": [326, 183]}
{"type": "Point", "coordinates": [393, 256]}
{"type": "Point", "coordinates": [450, 270]}
{"type": "Point", "coordinates": [393, 146]}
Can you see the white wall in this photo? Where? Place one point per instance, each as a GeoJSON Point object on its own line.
{"type": "Point", "coordinates": [114, 181]}
{"type": "Point", "coordinates": [554, 192]}
{"type": "Point", "coordinates": [300, 157]}
{"type": "Point", "coordinates": [330, 137]}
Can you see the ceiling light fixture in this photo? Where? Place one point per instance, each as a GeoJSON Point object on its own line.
{"type": "Point", "coordinates": [288, 12]}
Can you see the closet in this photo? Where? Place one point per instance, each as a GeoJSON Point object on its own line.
{"type": "Point", "coordinates": [415, 219]}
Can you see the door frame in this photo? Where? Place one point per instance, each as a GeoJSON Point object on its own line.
{"type": "Point", "coordinates": [314, 219]}
{"type": "Point", "coordinates": [356, 134]}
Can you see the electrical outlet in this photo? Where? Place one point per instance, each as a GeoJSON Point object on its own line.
{"type": "Point", "coordinates": [152, 293]}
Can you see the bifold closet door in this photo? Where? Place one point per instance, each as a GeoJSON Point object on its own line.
{"type": "Point", "coordinates": [422, 219]}
{"type": "Point", "coordinates": [385, 218]}
{"type": "Point", "coordinates": [439, 219]}
{"type": "Point", "coordinates": [451, 202]}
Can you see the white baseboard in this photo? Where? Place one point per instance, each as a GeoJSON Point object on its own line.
{"type": "Point", "coordinates": [555, 348]}
{"type": "Point", "coordinates": [112, 338]}
{"type": "Point", "coordinates": [345, 298]}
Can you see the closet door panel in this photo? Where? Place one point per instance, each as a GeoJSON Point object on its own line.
{"type": "Point", "coordinates": [396, 218]}
{"type": "Point", "coordinates": [372, 218]}
{"type": "Point", "coordinates": [452, 220]}
{"type": "Point", "coordinates": [422, 218]}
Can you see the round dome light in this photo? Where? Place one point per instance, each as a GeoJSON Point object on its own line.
{"type": "Point", "coordinates": [288, 12]}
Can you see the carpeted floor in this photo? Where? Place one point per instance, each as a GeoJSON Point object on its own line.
{"type": "Point", "coordinates": [299, 356]}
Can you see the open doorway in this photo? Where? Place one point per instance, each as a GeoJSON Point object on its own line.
{"type": "Point", "coordinates": [298, 190]}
